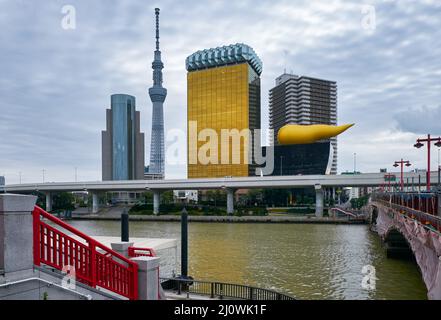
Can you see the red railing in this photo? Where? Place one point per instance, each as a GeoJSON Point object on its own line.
{"type": "Point", "coordinates": [424, 202]}
{"type": "Point", "coordinates": [419, 206]}
{"type": "Point", "coordinates": [141, 252]}
{"type": "Point", "coordinates": [94, 264]}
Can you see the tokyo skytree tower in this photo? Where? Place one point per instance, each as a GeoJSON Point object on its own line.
{"type": "Point", "coordinates": [157, 96]}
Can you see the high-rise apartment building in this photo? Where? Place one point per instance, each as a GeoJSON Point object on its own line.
{"type": "Point", "coordinates": [304, 100]}
{"type": "Point", "coordinates": [223, 92]}
{"type": "Point", "coordinates": [122, 141]}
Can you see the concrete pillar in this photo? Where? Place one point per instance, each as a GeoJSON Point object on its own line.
{"type": "Point", "coordinates": [16, 233]}
{"type": "Point", "coordinates": [122, 248]}
{"type": "Point", "coordinates": [230, 201]}
{"type": "Point", "coordinates": [148, 277]}
{"type": "Point", "coordinates": [333, 193]}
{"type": "Point", "coordinates": [95, 203]}
{"type": "Point", "coordinates": [156, 201]}
{"type": "Point", "coordinates": [318, 201]}
{"type": "Point", "coordinates": [48, 201]}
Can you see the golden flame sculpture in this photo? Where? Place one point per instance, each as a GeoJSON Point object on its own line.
{"type": "Point", "coordinates": [303, 134]}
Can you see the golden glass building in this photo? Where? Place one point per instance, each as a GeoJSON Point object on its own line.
{"type": "Point", "coordinates": [223, 92]}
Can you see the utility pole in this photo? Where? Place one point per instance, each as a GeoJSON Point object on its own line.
{"type": "Point", "coordinates": [355, 162]}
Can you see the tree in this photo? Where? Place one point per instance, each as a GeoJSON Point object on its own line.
{"type": "Point", "coordinates": [63, 201]}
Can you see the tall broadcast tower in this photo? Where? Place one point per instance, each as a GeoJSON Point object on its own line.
{"type": "Point", "coordinates": [157, 95]}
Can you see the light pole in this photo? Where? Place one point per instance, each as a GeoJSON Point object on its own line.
{"type": "Point", "coordinates": [420, 144]}
{"type": "Point", "coordinates": [355, 162]}
{"type": "Point", "coordinates": [19, 174]}
{"type": "Point", "coordinates": [76, 174]}
{"type": "Point", "coordinates": [43, 174]}
{"type": "Point", "coordinates": [402, 163]}
{"type": "Point", "coordinates": [388, 177]}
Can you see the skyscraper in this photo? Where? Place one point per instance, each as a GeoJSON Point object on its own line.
{"type": "Point", "coordinates": [304, 100]}
{"type": "Point", "coordinates": [122, 141]}
{"type": "Point", "coordinates": [223, 92]}
{"type": "Point", "coordinates": [157, 96]}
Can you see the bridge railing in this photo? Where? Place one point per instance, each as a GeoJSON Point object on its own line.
{"type": "Point", "coordinates": [422, 207]}
{"type": "Point", "coordinates": [93, 263]}
{"type": "Point", "coordinates": [426, 202]}
{"type": "Point", "coordinates": [219, 290]}
{"type": "Point", "coordinates": [141, 252]}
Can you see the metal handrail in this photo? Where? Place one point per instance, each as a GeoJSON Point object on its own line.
{"type": "Point", "coordinates": [56, 249]}
{"type": "Point", "coordinates": [134, 252]}
{"type": "Point", "coordinates": [223, 290]}
{"type": "Point", "coordinates": [424, 218]}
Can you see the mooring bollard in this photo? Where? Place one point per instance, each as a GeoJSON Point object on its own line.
{"type": "Point", "coordinates": [184, 244]}
{"type": "Point", "coordinates": [125, 226]}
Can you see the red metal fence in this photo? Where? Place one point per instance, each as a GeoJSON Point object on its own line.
{"type": "Point", "coordinates": [141, 252]}
{"type": "Point", "coordinates": [422, 207]}
{"type": "Point", "coordinates": [424, 202]}
{"type": "Point", "coordinates": [95, 264]}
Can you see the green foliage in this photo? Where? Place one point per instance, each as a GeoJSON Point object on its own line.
{"type": "Point", "coordinates": [358, 203]}
{"type": "Point", "coordinates": [276, 197]}
{"type": "Point", "coordinates": [41, 199]}
{"type": "Point", "coordinates": [63, 201]}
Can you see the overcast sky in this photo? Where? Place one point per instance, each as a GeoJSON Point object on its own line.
{"type": "Point", "coordinates": [55, 84]}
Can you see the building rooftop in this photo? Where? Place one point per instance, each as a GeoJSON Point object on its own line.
{"type": "Point", "coordinates": [220, 56]}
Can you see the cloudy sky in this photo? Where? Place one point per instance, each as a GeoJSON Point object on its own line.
{"type": "Point", "coordinates": [55, 84]}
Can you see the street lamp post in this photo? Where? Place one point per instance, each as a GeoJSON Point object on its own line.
{"type": "Point", "coordinates": [429, 141]}
{"type": "Point", "coordinates": [355, 163]}
{"type": "Point", "coordinates": [402, 163]}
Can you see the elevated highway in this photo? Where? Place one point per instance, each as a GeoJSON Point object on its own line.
{"type": "Point", "coordinates": [230, 184]}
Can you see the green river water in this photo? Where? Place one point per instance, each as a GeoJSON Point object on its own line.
{"type": "Point", "coordinates": [305, 260]}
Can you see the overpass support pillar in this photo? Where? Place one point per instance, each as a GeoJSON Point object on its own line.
{"type": "Point", "coordinates": [318, 201]}
{"type": "Point", "coordinates": [156, 201]}
{"type": "Point", "coordinates": [48, 201]}
{"type": "Point", "coordinates": [95, 204]}
{"type": "Point", "coordinates": [230, 201]}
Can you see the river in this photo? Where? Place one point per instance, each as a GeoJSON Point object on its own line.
{"type": "Point", "coordinates": [305, 260]}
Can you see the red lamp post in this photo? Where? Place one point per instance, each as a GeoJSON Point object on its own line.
{"type": "Point", "coordinates": [402, 163]}
{"type": "Point", "coordinates": [388, 177]}
{"type": "Point", "coordinates": [420, 144]}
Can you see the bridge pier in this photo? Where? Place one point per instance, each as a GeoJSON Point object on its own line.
{"type": "Point", "coordinates": [156, 201]}
{"type": "Point", "coordinates": [48, 201]}
{"type": "Point", "coordinates": [318, 201]}
{"type": "Point", "coordinates": [95, 203]}
{"type": "Point", "coordinates": [230, 201]}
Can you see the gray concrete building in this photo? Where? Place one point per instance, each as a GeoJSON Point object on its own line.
{"type": "Point", "coordinates": [303, 100]}
{"type": "Point", "coordinates": [122, 141]}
